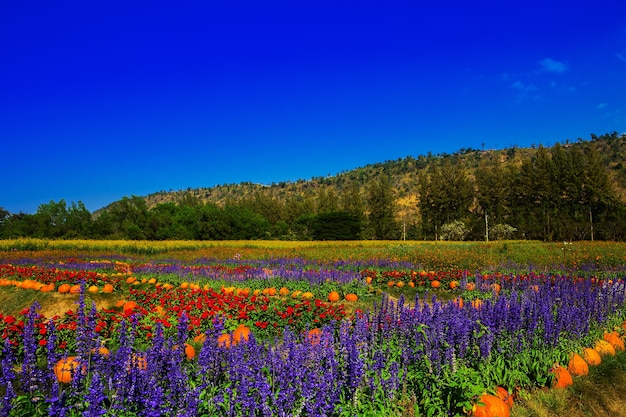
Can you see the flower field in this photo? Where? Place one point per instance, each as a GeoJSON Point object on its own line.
{"type": "Point", "coordinates": [250, 330]}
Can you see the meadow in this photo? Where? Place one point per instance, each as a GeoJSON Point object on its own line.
{"type": "Point", "coordinates": [264, 328]}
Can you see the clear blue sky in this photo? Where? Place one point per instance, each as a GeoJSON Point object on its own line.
{"type": "Point", "coordinates": [105, 99]}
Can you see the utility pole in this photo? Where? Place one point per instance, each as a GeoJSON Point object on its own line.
{"type": "Point", "coordinates": [591, 223]}
{"type": "Point", "coordinates": [487, 228]}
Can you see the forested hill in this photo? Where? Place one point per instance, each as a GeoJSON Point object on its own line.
{"type": "Point", "coordinates": [404, 172]}
{"type": "Point", "coordinates": [569, 191]}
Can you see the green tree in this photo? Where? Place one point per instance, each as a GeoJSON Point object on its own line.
{"type": "Point", "coordinates": [446, 194]}
{"type": "Point", "coordinates": [337, 225]}
{"type": "Point", "coordinates": [381, 206]}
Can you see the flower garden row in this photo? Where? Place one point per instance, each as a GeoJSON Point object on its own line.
{"type": "Point", "coordinates": [238, 350]}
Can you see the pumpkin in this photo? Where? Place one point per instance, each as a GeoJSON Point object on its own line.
{"type": "Point", "coordinates": [614, 339]}
{"type": "Point", "coordinates": [453, 284]}
{"type": "Point", "coordinates": [284, 291]}
{"type": "Point", "coordinates": [184, 285]}
{"type": "Point", "coordinates": [75, 289]}
{"type": "Point", "coordinates": [190, 351]}
{"type": "Point", "coordinates": [129, 306]}
{"type": "Point", "coordinates": [130, 280]}
{"type": "Point", "coordinates": [64, 288]}
{"type": "Point", "coordinates": [591, 356]}
{"type": "Point", "coordinates": [314, 336]}
{"type": "Point", "coordinates": [604, 348]}
{"type": "Point", "coordinates": [27, 284]}
{"type": "Point", "coordinates": [65, 368]}
{"type": "Point", "coordinates": [352, 297]}
{"type": "Point", "coordinates": [224, 340]}
{"type": "Point", "coordinates": [271, 291]}
{"type": "Point", "coordinates": [101, 351]}
{"type": "Point", "coordinates": [577, 365]}
{"type": "Point", "coordinates": [505, 396]}
{"type": "Point", "coordinates": [562, 377]}
{"type": "Point", "coordinates": [400, 284]}
{"type": "Point", "coordinates": [391, 283]}
{"type": "Point", "coordinates": [435, 283]}
{"type": "Point", "coordinates": [138, 361]}
{"type": "Point", "coordinates": [241, 334]}
{"type": "Point", "coordinates": [47, 288]}
{"type": "Point", "coordinates": [152, 281]}
{"type": "Point", "coordinates": [333, 296]}
{"type": "Point", "coordinates": [107, 289]}
{"type": "Point", "coordinates": [93, 289]}
{"type": "Point", "coordinates": [490, 406]}
{"type": "Point", "coordinates": [307, 295]}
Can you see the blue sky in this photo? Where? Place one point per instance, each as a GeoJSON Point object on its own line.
{"type": "Point", "coordinates": [100, 100]}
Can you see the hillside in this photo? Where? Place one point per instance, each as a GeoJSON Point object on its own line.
{"type": "Point", "coordinates": [405, 174]}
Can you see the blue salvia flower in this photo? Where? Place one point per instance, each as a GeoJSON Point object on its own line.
{"type": "Point", "coordinates": [8, 376]}
{"type": "Point", "coordinates": [95, 397]}
{"type": "Point", "coordinates": [31, 376]}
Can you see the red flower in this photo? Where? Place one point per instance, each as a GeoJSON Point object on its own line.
{"type": "Point", "coordinates": [43, 342]}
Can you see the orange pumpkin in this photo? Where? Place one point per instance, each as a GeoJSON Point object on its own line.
{"type": "Point", "coordinates": [101, 351]}
{"type": "Point", "coordinates": [453, 284]}
{"type": "Point", "coordinates": [505, 396]}
{"type": "Point", "coordinates": [351, 297]}
{"type": "Point", "coordinates": [435, 284]}
{"type": "Point", "coordinates": [614, 340]}
{"type": "Point", "coordinates": [224, 340]}
{"type": "Point", "coordinates": [107, 288]}
{"type": "Point", "coordinates": [604, 348]}
{"type": "Point", "coordinates": [333, 296]}
{"type": "Point", "coordinates": [490, 406]}
{"type": "Point", "coordinates": [562, 377]}
{"type": "Point", "coordinates": [577, 365]}
{"type": "Point", "coordinates": [284, 291]}
{"type": "Point", "coordinates": [190, 351]}
{"type": "Point", "coordinates": [75, 289]}
{"type": "Point", "coordinates": [314, 336]}
{"type": "Point", "coordinates": [64, 288]}
{"type": "Point", "coordinates": [400, 284]}
{"type": "Point", "coordinates": [139, 361]}
{"type": "Point", "coordinates": [129, 306]}
{"type": "Point", "coordinates": [271, 291]}
{"type": "Point", "coordinates": [591, 356]}
{"type": "Point", "coordinates": [65, 368]}
{"type": "Point", "coordinates": [93, 289]}
{"type": "Point", "coordinates": [130, 280]}
{"type": "Point", "coordinates": [241, 334]}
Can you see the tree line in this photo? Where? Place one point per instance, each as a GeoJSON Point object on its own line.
{"type": "Point", "coordinates": [560, 193]}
